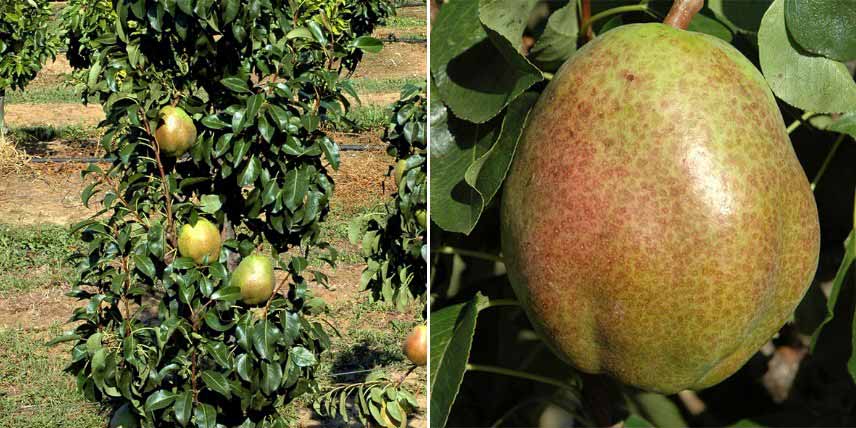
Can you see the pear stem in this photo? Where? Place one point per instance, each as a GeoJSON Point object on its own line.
{"type": "Point", "coordinates": [682, 12]}
{"type": "Point", "coordinates": [585, 15]}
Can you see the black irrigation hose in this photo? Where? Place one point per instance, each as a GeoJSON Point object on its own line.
{"type": "Point", "coordinates": [395, 39]}
{"type": "Point", "coordinates": [343, 147]}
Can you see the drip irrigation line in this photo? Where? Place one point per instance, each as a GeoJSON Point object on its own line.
{"type": "Point", "coordinates": [395, 39]}
{"type": "Point", "coordinates": [343, 147]}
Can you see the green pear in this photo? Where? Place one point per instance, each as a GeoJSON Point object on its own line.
{"type": "Point", "coordinates": [199, 240]}
{"type": "Point", "coordinates": [656, 223]}
{"type": "Point", "coordinates": [398, 172]}
{"type": "Point", "coordinates": [175, 133]}
{"type": "Point", "coordinates": [254, 276]}
{"type": "Point", "coordinates": [422, 218]}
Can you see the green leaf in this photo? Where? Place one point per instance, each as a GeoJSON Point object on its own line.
{"type": "Point", "coordinates": [703, 24]}
{"type": "Point", "coordinates": [843, 269]}
{"type": "Point", "coordinates": [227, 293]}
{"type": "Point", "coordinates": [368, 44]}
{"type": "Point", "coordinates": [219, 352]}
{"type": "Point", "coordinates": [205, 415]}
{"type": "Point", "coordinates": [452, 330]}
{"type": "Point", "coordinates": [559, 40]}
{"type": "Point", "coordinates": [271, 377]}
{"type": "Point", "coordinates": [214, 122]}
{"type": "Point", "coordinates": [250, 173]}
{"type": "Point", "coordinates": [317, 32]}
{"type": "Point", "coordinates": [145, 265]}
{"type": "Point", "coordinates": [455, 145]}
{"type": "Point", "coordinates": [210, 204]}
{"type": "Point", "coordinates": [474, 76]}
{"type": "Point", "coordinates": [216, 382]}
{"type": "Point", "coordinates": [823, 27]}
{"type": "Point", "coordinates": [487, 173]}
{"type": "Point", "coordinates": [185, 6]}
{"type": "Point", "coordinates": [182, 407]}
{"type": "Point", "coordinates": [743, 16]}
{"type": "Point", "coordinates": [244, 364]}
{"type": "Point", "coordinates": [299, 33]}
{"type": "Point", "coordinates": [636, 421]}
{"type": "Point", "coordinates": [236, 84]}
{"type": "Point", "coordinates": [265, 335]}
{"type": "Point", "coordinates": [302, 357]}
{"type": "Point", "coordinates": [809, 82]}
{"type": "Point", "coordinates": [265, 129]}
{"type": "Point", "coordinates": [507, 17]}
{"type": "Point", "coordinates": [294, 188]}
{"type": "Point", "coordinates": [230, 10]}
{"type": "Point", "coordinates": [254, 103]}
{"type": "Point", "coordinates": [160, 399]}
{"type": "Point", "coordinates": [658, 409]}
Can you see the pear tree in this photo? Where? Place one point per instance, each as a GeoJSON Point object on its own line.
{"type": "Point", "coordinates": [195, 275]}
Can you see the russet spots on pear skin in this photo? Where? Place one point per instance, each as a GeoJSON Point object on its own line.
{"type": "Point", "coordinates": [656, 217]}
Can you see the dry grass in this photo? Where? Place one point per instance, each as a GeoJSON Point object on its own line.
{"type": "Point", "coordinates": [12, 160]}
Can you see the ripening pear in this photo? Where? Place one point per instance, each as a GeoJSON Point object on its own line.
{"type": "Point", "coordinates": [254, 276]}
{"type": "Point", "coordinates": [656, 223]}
{"type": "Point", "coordinates": [416, 346]}
{"type": "Point", "coordinates": [175, 133]}
{"type": "Point", "coordinates": [199, 240]}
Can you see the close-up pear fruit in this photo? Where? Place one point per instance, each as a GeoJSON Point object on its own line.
{"type": "Point", "coordinates": [416, 345]}
{"type": "Point", "coordinates": [656, 224]}
{"type": "Point", "coordinates": [200, 240]}
{"type": "Point", "coordinates": [254, 276]}
{"type": "Point", "coordinates": [175, 133]}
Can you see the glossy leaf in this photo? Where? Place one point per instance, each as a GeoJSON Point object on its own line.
{"type": "Point", "coordinates": [809, 82]}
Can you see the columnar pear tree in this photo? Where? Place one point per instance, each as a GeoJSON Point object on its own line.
{"type": "Point", "coordinates": [394, 240]}
{"type": "Point", "coordinates": [219, 175]}
{"type": "Point", "coordinates": [26, 43]}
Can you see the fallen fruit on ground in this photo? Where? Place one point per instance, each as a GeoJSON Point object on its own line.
{"type": "Point", "coordinates": [656, 224]}
{"type": "Point", "coordinates": [124, 418]}
{"type": "Point", "coordinates": [199, 240]}
{"type": "Point", "coordinates": [175, 133]}
{"type": "Point", "coordinates": [254, 276]}
{"type": "Point", "coordinates": [416, 346]}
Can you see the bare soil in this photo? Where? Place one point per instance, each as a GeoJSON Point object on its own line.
{"type": "Point", "coordinates": [396, 60]}
{"type": "Point", "coordinates": [25, 115]}
{"type": "Point", "coordinates": [412, 12]}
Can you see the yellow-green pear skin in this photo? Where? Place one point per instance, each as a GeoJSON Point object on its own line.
{"type": "Point", "coordinates": [422, 218]}
{"type": "Point", "coordinates": [254, 276]}
{"type": "Point", "coordinates": [175, 133]}
{"type": "Point", "coordinates": [398, 172]}
{"type": "Point", "coordinates": [200, 240]}
{"type": "Point", "coordinates": [656, 223]}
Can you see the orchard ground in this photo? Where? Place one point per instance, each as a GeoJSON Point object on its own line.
{"type": "Point", "coordinates": [37, 206]}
